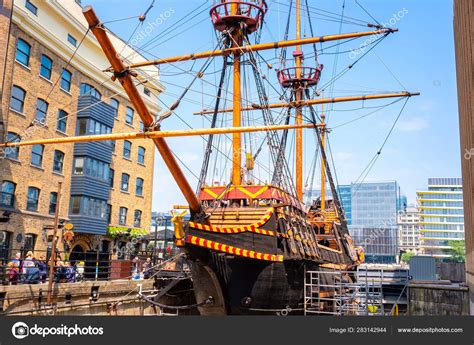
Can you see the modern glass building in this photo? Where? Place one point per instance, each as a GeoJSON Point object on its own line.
{"type": "Point", "coordinates": [441, 215]}
{"type": "Point", "coordinates": [345, 196]}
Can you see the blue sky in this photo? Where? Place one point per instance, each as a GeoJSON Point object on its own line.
{"type": "Point", "coordinates": [420, 57]}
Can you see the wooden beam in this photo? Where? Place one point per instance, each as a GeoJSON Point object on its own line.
{"type": "Point", "coordinates": [262, 46]}
{"type": "Point", "coordinates": [297, 104]}
{"type": "Point", "coordinates": [155, 135]}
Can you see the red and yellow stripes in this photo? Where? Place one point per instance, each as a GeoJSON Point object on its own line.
{"type": "Point", "coordinates": [250, 228]}
{"type": "Point", "coordinates": [201, 242]}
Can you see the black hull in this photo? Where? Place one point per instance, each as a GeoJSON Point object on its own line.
{"type": "Point", "coordinates": [249, 287]}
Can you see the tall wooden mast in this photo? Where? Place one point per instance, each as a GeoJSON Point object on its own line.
{"type": "Point", "coordinates": [237, 99]}
{"type": "Point", "coordinates": [298, 54]}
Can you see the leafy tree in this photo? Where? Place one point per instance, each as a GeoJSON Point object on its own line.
{"type": "Point", "coordinates": [458, 249]}
{"type": "Point", "coordinates": [407, 256]}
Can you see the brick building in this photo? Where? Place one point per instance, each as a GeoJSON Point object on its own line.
{"type": "Point", "coordinates": [105, 185]}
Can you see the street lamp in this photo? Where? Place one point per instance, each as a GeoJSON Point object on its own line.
{"type": "Point", "coordinates": [158, 219]}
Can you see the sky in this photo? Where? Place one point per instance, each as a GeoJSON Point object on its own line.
{"type": "Point", "coordinates": [419, 58]}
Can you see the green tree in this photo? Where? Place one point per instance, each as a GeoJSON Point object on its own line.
{"type": "Point", "coordinates": [458, 250]}
{"type": "Point", "coordinates": [407, 256]}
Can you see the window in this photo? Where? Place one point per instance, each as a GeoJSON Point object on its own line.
{"type": "Point", "coordinates": [127, 149]}
{"type": "Point", "coordinates": [32, 201]}
{"type": "Point", "coordinates": [62, 121]}
{"type": "Point", "coordinates": [12, 152]}
{"type": "Point", "coordinates": [123, 216]}
{"type": "Point", "coordinates": [76, 205]}
{"type": "Point", "coordinates": [37, 155]}
{"type": "Point", "coordinates": [87, 89]}
{"type": "Point", "coordinates": [17, 100]}
{"type": "Point", "coordinates": [78, 166]}
{"type": "Point", "coordinates": [113, 143]}
{"type": "Point", "coordinates": [141, 126]}
{"type": "Point", "coordinates": [66, 80]}
{"type": "Point", "coordinates": [53, 201]}
{"type": "Point", "coordinates": [46, 67]}
{"type": "Point", "coordinates": [30, 7]}
{"type": "Point", "coordinates": [71, 40]}
{"type": "Point", "coordinates": [8, 194]}
{"type": "Point", "coordinates": [92, 127]}
{"type": "Point", "coordinates": [137, 218]}
{"type": "Point", "coordinates": [109, 213]}
{"type": "Point", "coordinates": [124, 183]}
{"type": "Point", "coordinates": [5, 241]}
{"type": "Point", "coordinates": [41, 110]}
{"type": "Point", "coordinates": [139, 187]}
{"type": "Point", "coordinates": [146, 91]}
{"type": "Point", "coordinates": [141, 155]}
{"type": "Point", "coordinates": [58, 161]}
{"type": "Point", "coordinates": [30, 241]}
{"type": "Point", "coordinates": [23, 52]}
{"type": "Point", "coordinates": [129, 116]}
{"type": "Point", "coordinates": [87, 206]}
{"type": "Point", "coordinates": [115, 104]}
{"type": "Point", "coordinates": [111, 178]}
{"type": "Point", "coordinates": [81, 126]}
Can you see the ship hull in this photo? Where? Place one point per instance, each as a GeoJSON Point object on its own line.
{"type": "Point", "coordinates": [249, 287]}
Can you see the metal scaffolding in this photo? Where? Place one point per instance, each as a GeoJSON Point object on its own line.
{"type": "Point", "coordinates": [336, 292]}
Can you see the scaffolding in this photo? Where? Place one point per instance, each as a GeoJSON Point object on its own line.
{"type": "Point", "coordinates": [337, 292]}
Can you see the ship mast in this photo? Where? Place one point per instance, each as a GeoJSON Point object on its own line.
{"type": "Point", "coordinates": [298, 54]}
{"type": "Point", "coordinates": [237, 99]}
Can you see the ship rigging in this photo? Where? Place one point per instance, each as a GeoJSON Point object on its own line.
{"type": "Point", "coordinates": [251, 239]}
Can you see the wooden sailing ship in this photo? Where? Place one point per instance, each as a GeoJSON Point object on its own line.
{"type": "Point", "coordinates": [250, 242]}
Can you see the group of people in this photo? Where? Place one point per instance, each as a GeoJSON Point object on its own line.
{"type": "Point", "coordinates": [141, 270]}
{"type": "Point", "coordinates": [35, 271]}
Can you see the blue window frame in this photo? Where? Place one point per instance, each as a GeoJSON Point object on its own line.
{"type": "Point", "coordinates": [33, 197]}
{"type": "Point", "coordinates": [139, 187]}
{"type": "Point", "coordinates": [141, 155]}
{"type": "Point", "coordinates": [46, 67]}
{"type": "Point", "coordinates": [41, 110]}
{"type": "Point", "coordinates": [23, 52]}
{"type": "Point", "coordinates": [62, 121]}
{"type": "Point", "coordinates": [71, 40]}
{"type": "Point", "coordinates": [12, 152]}
{"type": "Point", "coordinates": [17, 100]}
{"type": "Point", "coordinates": [129, 115]}
{"type": "Point", "coordinates": [30, 7]}
{"type": "Point", "coordinates": [87, 89]}
{"type": "Point", "coordinates": [37, 155]}
{"type": "Point", "coordinates": [66, 80]}
{"type": "Point", "coordinates": [8, 194]}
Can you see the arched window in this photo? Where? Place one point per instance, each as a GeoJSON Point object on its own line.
{"type": "Point", "coordinates": [115, 104]}
{"type": "Point", "coordinates": [23, 52]}
{"type": "Point", "coordinates": [33, 197]}
{"type": "Point", "coordinates": [46, 67]}
{"type": "Point", "coordinates": [66, 80]}
{"type": "Point", "coordinates": [87, 89]}
{"type": "Point", "coordinates": [141, 155]}
{"type": "Point", "coordinates": [129, 116]}
{"type": "Point", "coordinates": [12, 152]}
{"type": "Point", "coordinates": [125, 182]}
{"type": "Point", "coordinates": [139, 186]}
{"type": "Point", "coordinates": [17, 100]}
{"type": "Point", "coordinates": [7, 198]}
{"type": "Point", "coordinates": [41, 110]}
{"type": "Point", "coordinates": [137, 218]}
